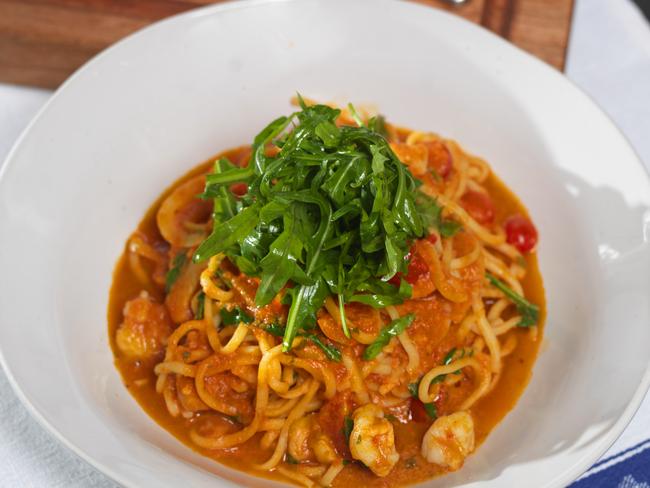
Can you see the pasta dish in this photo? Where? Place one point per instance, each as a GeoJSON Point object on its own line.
{"type": "Point", "coordinates": [343, 301]}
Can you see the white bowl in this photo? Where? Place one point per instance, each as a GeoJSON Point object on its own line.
{"type": "Point", "coordinates": [148, 109]}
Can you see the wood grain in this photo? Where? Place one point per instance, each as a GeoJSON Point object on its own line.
{"type": "Point", "coordinates": [42, 42]}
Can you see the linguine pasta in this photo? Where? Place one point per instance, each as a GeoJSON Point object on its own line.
{"type": "Point", "coordinates": [404, 393]}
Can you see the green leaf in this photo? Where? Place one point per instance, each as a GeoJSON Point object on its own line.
{"type": "Point", "coordinates": [348, 425]}
{"type": "Point", "coordinates": [229, 176]}
{"type": "Point", "coordinates": [200, 306]}
{"type": "Point", "coordinates": [175, 271]}
{"type": "Point", "coordinates": [228, 233]}
{"type": "Point", "coordinates": [305, 302]}
{"type": "Point", "coordinates": [281, 263]}
{"type": "Point", "coordinates": [333, 212]}
{"type": "Point", "coordinates": [449, 357]}
{"type": "Point", "coordinates": [429, 408]}
{"type": "Point", "coordinates": [395, 328]}
{"type": "Point", "coordinates": [448, 228]}
{"type": "Point", "coordinates": [328, 133]}
{"type": "Point", "coordinates": [355, 115]}
{"type": "Point", "coordinates": [378, 125]}
{"type": "Point", "coordinates": [275, 329]}
{"type": "Point", "coordinates": [529, 311]}
{"type": "Point", "coordinates": [234, 316]}
{"type": "Point", "coordinates": [331, 351]}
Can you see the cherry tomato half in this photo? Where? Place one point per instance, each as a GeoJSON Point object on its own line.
{"type": "Point", "coordinates": [239, 189]}
{"type": "Point", "coordinates": [417, 267]}
{"type": "Point", "coordinates": [521, 233]}
{"type": "Point", "coordinates": [479, 206]}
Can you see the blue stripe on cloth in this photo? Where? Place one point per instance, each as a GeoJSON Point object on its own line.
{"type": "Point", "coordinates": [633, 472]}
{"type": "Point", "coordinates": [622, 453]}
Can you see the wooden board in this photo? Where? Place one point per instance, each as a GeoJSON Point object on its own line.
{"type": "Point", "coordinates": [43, 41]}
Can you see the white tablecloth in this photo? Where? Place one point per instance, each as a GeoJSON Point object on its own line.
{"type": "Point", "coordinates": [609, 57]}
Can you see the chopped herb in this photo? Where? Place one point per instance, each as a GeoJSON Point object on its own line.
{"type": "Point", "coordinates": [355, 115]}
{"type": "Point", "coordinates": [234, 316]}
{"type": "Point", "coordinates": [275, 329]}
{"type": "Point", "coordinates": [431, 213]}
{"type": "Point", "coordinates": [390, 417]}
{"type": "Point", "coordinates": [219, 273]}
{"type": "Point", "coordinates": [288, 458]}
{"type": "Point", "coordinates": [448, 228]}
{"type": "Point", "coordinates": [529, 311]}
{"type": "Point", "coordinates": [334, 212]}
{"type": "Point", "coordinates": [449, 357]}
{"type": "Point", "coordinates": [234, 418]}
{"type": "Point", "coordinates": [410, 463]}
{"type": "Point", "coordinates": [395, 328]}
{"type": "Point", "coordinates": [186, 355]}
{"type": "Point", "coordinates": [348, 425]}
{"type": "Point", "coordinates": [200, 306]}
{"type": "Point", "coordinates": [175, 270]}
{"type": "Point", "coordinates": [378, 124]}
{"type": "Point", "coordinates": [331, 351]}
{"type": "Point", "coordinates": [359, 439]}
{"type": "Point", "coordinates": [429, 408]}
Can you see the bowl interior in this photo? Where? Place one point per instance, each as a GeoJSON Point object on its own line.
{"type": "Point", "coordinates": [150, 108]}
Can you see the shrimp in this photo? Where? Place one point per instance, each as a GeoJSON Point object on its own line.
{"type": "Point", "coordinates": [299, 432]}
{"type": "Point", "coordinates": [372, 440]}
{"type": "Point", "coordinates": [449, 440]}
{"type": "Point", "coordinates": [178, 215]}
{"type": "Point", "coordinates": [307, 441]}
{"type": "Point", "coordinates": [145, 328]}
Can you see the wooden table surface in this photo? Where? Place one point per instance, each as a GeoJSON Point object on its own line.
{"type": "Point", "coordinates": [42, 42]}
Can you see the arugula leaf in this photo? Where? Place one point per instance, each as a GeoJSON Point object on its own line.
{"type": "Point", "coordinates": [378, 124]}
{"type": "Point", "coordinates": [448, 228]}
{"type": "Point", "coordinates": [529, 311]}
{"type": "Point", "coordinates": [234, 316]}
{"type": "Point", "coordinates": [175, 271]}
{"type": "Point", "coordinates": [331, 351]}
{"type": "Point", "coordinates": [449, 357]}
{"type": "Point", "coordinates": [328, 133]}
{"type": "Point", "coordinates": [395, 328]}
{"type": "Point", "coordinates": [431, 213]}
{"type": "Point", "coordinates": [332, 212]}
{"type": "Point", "coordinates": [275, 329]}
{"type": "Point", "coordinates": [200, 306]}
{"type": "Point", "coordinates": [429, 408]}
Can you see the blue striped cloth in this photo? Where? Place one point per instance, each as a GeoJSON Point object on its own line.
{"type": "Point", "coordinates": [629, 468]}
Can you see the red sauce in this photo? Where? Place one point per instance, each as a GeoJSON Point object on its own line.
{"type": "Point", "coordinates": [429, 331]}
